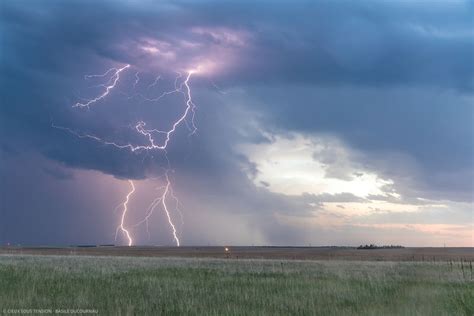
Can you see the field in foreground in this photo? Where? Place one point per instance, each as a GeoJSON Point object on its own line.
{"type": "Point", "coordinates": [152, 286]}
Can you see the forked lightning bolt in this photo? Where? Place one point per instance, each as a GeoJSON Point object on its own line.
{"type": "Point", "coordinates": [165, 207]}
{"type": "Point", "coordinates": [115, 78]}
{"type": "Point", "coordinates": [151, 143]}
{"type": "Point", "coordinates": [124, 213]}
{"type": "Point", "coordinates": [140, 125]}
{"type": "Point", "coordinates": [161, 200]}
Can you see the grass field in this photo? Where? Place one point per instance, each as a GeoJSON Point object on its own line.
{"type": "Point", "coordinates": [199, 286]}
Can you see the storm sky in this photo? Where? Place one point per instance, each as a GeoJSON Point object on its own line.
{"type": "Point", "coordinates": [318, 122]}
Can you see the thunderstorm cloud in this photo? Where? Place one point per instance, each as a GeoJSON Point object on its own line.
{"type": "Point", "coordinates": [319, 122]}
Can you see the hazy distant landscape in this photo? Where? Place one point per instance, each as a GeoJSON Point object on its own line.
{"type": "Point", "coordinates": [197, 284]}
{"type": "Point", "coordinates": [432, 254]}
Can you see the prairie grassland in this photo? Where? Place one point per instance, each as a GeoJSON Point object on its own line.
{"type": "Point", "coordinates": [153, 286]}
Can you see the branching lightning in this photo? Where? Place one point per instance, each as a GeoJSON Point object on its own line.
{"type": "Point", "coordinates": [124, 213]}
{"type": "Point", "coordinates": [187, 117]}
{"type": "Point", "coordinates": [154, 83]}
{"type": "Point", "coordinates": [115, 78]}
{"type": "Point", "coordinates": [165, 208]}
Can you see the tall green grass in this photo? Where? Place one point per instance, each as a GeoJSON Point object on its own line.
{"type": "Point", "coordinates": [154, 286]}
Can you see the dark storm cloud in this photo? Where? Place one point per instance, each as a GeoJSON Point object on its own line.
{"type": "Point", "coordinates": [58, 173]}
{"type": "Point", "coordinates": [390, 78]}
{"type": "Point", "coordinates": [355, 43]}
{"type": "Point", "coordinates": [47, 45]}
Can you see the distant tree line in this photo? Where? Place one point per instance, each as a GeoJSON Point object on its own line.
{"type": "Point", "coordinates": [372, 246]}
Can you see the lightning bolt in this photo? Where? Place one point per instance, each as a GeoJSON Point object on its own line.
{"type": "Point", "coordinates": [178, 88]}
{"type": "Point", "coordinates": [147, 133]}
{"type": "Point", "coordinates": [151, 144]}
{"type": "Point", "coordinates": [149, 212]}
{"type": "Point", "coordinates": [165, 208]}
{"type": "Point", "coordinates": [161, 200]}
{"type": "Point", "coordinates": [190, 104]}
{"type": "Point", "coordinates": [137, 79]}
{"type": "Point", "coordinates": [155, 82]}
{"type": "Point", "coordinates": [124, 213]}
{"type": "Point", "coordinates": [177, 207]}
{"type": "Point", "coordinates": [115, 78]}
